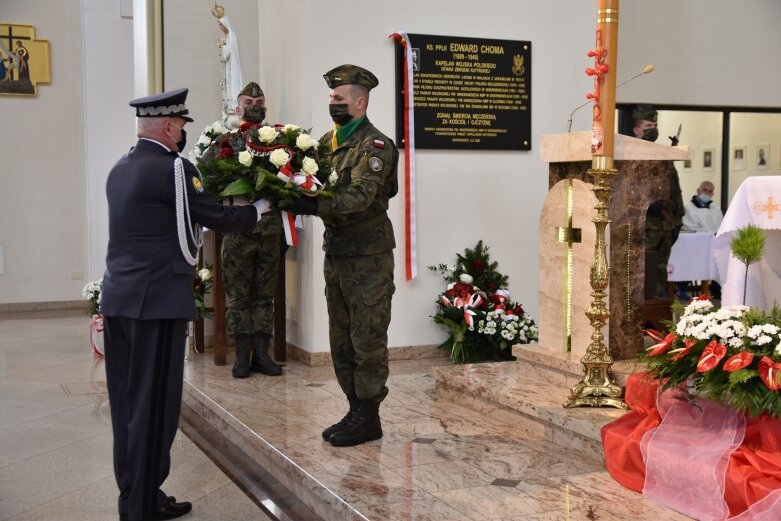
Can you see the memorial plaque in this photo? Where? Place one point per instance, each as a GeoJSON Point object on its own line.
{"type": "Point", "coordinates": [469, 93]}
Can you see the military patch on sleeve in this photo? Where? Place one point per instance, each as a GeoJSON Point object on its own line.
{"type": "Point", "coordinates": [379, 143]}
{"type": "Point", "coordinates": [375, 163]}
{"type": "Point", "coordinates": [197, 185]}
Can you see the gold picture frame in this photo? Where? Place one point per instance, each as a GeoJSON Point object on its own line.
{"type": "Point", "coordinates": [24, 60]}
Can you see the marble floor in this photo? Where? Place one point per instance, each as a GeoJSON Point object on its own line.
{"type": "Point", "coordinates": [55, 432]}
{"type": "Point", "coordinates": [439, 459]}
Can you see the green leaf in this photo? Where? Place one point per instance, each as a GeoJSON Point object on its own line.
{"type": "Point", "coordinates": [238, 187]}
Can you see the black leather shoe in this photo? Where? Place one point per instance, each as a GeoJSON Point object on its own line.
{"type": "Point", "coordinates": [168, 511]}
{"type": "Point", "coordinates": [171, 510]}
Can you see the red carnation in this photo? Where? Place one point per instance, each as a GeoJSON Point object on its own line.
{"type": "Point", "coordinates": [226, 153]}
{"type": "Point", "coordinates": [711, 356]}
{"type": "Point", "coordinates": [478, 265]}
{"type": "Point", "coordinates": [738, 361]}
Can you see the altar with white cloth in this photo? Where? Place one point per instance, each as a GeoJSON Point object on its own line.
{"type": "Point", "coordinates": [757, 202]}
{"type": "Point", "coordinates": [691, 258]}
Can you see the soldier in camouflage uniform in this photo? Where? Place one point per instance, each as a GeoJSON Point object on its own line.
{"type": "Point", "coordinates": [358, 244]}
{"type": "Point", "coordinates": [664, 217]}
{"type": "Point", "coordinates": [250, 264]}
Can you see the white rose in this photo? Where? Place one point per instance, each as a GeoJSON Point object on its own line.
{"type": "Point", "coordinates": [309, 166]}
{"type": "Point", "coordinates": [333, 178]}
{"type": "Point", "coordinates": [245, 158]}
{"type": "Point", "coordinates": [290, 126]}
{"type": "Point", "coordinates": [466, 278]}
{"type": "Point", "coordinates": [267, 134]}
{"type": "Point", "coordinates": [205, 274]}
{"type": "Point", "coordinates": [204, 140]}
{"type": "Point", "coordinates": [279, 157]}
{"type": "Point", "coordinates": [305, 142]}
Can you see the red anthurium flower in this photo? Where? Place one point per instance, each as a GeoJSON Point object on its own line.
{"type": "Point", "coordinates": [711, 356]}
{"type": "Point", "coordinates": [683, 351]}
{"type": "Point", "coordinates": [655, 335]}
{"type": "Point", "coordinates": [663, 345]}
{"type": "Point", "coordinates": [770, 373]}
{"type": "Point", "coordinates": [703, 296]}
{"type": "Point", "coordinates": [738, 361]}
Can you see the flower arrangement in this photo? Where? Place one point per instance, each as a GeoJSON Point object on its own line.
{"type": "Point", "coordinates": [483, 324]}
{"type": "Point", "coordinates": [730, 355]}
{"type": "Point", "coordinates": [279, 162]}
{"type": "Point", "coordinates": [92, 292]}
{"type": "Point", "coordinates": [202, 283]}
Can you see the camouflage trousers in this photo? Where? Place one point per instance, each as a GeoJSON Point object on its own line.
{"type": "Point", "coordinates": [660, 241]}
{"type": "Point", "coordinates": [250, 265]}
{"type": "Point", "coordinates": [358, 290]}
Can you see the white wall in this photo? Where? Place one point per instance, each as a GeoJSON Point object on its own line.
{"type": "Point", "coordinates": [43, 202]}
{"type": "Point", "coordinates": [52, 214]}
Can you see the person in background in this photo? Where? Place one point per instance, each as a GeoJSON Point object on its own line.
{"type": "Point", "coordinates": [664, 218]}
{"type": "Point", "coordinates": [358, 243]}
{"type": "Point", "coordinates": [701, 213]}
{"type": "Point", "coordinates": [156, 202]}
{"type": "Point", "coordinates": [250, 265]}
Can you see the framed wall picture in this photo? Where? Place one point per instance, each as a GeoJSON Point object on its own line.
{"type": "Point", "coordinates": [707, 159]}
{"type": "Point", "coordinates": [739, 157]}
{"type": "Point", "coordinates": [762, 158]}
{"type": "Point", "coordinates": [687, 163]}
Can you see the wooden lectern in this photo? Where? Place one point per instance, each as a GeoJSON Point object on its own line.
{"type": "Point", "coordinates": [641, 180]}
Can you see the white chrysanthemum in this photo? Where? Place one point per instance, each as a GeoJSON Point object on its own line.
{"type": "Point", "coordinates": [735, 342]}
{"type": "Point", "coordinates": [466, 278]}
{"type": "Point", "coordinates": [763, 339]}
{"type": "Point", "coordinates": [290, 126]}
{"type": "Point", "coordinates": [778, 349]}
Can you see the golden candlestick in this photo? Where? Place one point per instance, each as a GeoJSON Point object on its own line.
{"type": "Point", "coordinates": [597, 387]}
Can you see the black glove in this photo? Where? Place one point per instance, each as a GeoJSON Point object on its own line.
{"type": "Point", "coordinates": [303, 206]}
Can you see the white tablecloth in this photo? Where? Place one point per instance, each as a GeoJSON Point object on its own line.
{"type": "Point", "coordinates": [758, 202]}
{"type": "Point", "coordinates": [691, 258]}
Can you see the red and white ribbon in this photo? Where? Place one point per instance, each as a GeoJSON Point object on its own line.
{"type": "Point", "coordinates": [289, 225]}
{"type": "Point", "coordinates": [95, 329]}
{"type": "Point", "coordinates": [410, 225]}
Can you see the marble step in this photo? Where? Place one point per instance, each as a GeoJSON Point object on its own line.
{"type": "Point", "coordinates": [563, 368]}
{"type": "Point", "coordinates": [266, 474]}
{"type": "Point", "coordinates": [534, 389]}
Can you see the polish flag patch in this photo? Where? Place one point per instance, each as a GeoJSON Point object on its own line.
{"type": "Point", "coordinates": [378, 143]}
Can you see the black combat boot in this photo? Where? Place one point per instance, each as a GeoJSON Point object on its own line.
{"type": "Point", "coordinates": [261, 362]}
{"type": "Point", "coordinates": [341, 424]}
{"type": "Point", "coordinates": [241, 366]}
{"type": "Point", "coordinates": [365, 426]}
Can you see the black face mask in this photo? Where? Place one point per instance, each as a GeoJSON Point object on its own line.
{"type": "Point", "coordinates": [339, 113]}
{"type": "Point", "coordinates": [182, 141]}
{"type": "Point", "coordinates": [650, 134]}
{"type": "Point", "coordinates": [254, 114]}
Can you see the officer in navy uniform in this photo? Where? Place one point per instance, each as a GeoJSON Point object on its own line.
{"type": "Point", "coordinates": [156, 203]}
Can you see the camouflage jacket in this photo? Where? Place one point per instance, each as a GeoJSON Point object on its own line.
{"type": "Point", "coordinates": [667, 214]}
{"type": "Point", "coordinates": [356, 218]}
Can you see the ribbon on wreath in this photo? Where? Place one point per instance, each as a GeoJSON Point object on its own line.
{"type": "Point", "coordinates": [475, 300]}
{"type": "Point", "coordinates": [410, 224]}
{"type": "Point", "coordinates": [288, 219]}
{"type": "Point", "coordinates": [95, 328]}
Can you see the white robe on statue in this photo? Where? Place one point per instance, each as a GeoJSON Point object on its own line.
{"type": "Point", "coordinates": [233, 81]}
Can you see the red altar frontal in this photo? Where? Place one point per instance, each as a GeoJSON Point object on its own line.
{"type": "Point", "coordinates": [731, 470]}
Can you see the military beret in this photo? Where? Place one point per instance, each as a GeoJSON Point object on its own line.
{"type": "Point", "coordinates": [646, 112]}
{"type": "Point", "coordinates": [165, 104]}
{"type": "Point", "coordinates": [350, 74]}
{"type": "Point", "coordinates": [252, 90]}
